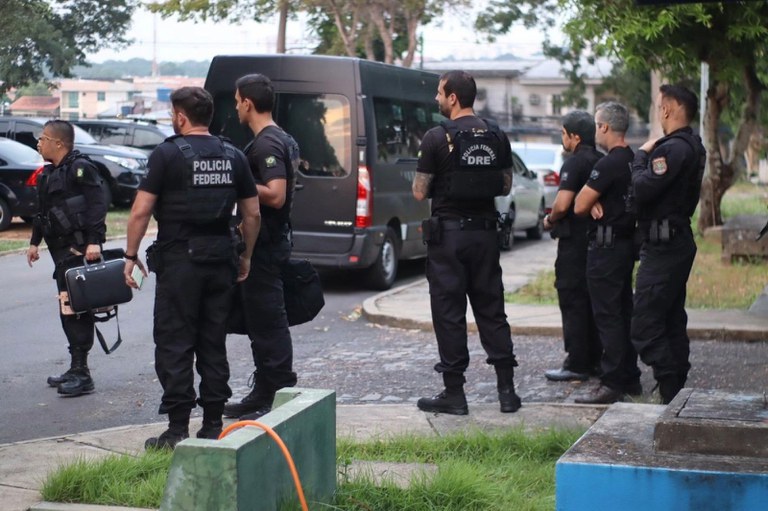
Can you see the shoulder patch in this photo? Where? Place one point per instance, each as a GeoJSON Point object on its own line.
{"type": "Point", "coordinates": [594, 174]}
{"type": "Point", "coordinates": [563, 176]}
{"type": "Point", "coordinates": [80, 173]}
{"type": "Point", "coordinates": [270, 161]}
{"type": "Point", "coordinates": [659, 166]}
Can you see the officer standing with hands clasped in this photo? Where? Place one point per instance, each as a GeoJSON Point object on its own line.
{"type": "Point", "coordinates": [273, 156]}
{"type": "Point", "coordinates": [610, 257]}
{"type": "Point", "coordinates": [71, 220]}
{"type": "Point", "coordinates": [462, 165]}
{"type": "Point", "coordinates": [193, 182]}
{"type": "Point", "coordinates": [666, 180]}
{"type": "Point", "coordinates": [582, 343]}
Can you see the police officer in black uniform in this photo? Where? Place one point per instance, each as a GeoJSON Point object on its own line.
{"type": "Point", "coordinates": [580, 338]}
{"type": "Point", "coordinates": [193, 182]}
{"type": "Point", "coordinates": [274, 157]}
{"type": "Point", "coordinates": [462, 165]}
{"type": "Point", "coordinates": [71, 220]}
{"type": "Point", "coordinates": [610, 258]}
{"type": "Point", "coordinates": [666, 180]}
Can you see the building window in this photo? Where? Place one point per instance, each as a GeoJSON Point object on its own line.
{"type": "Point", "coordinates": [73, 100]}
{"type": "Point", "coordinates": [534, 100]}
{"type": "Point", "coordinates": [557, 104]}
{"type": "Point", "coordinates": [101, 96]}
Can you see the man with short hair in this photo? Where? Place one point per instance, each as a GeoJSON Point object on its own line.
{"type": "Point", "coordinates": [462, 247]}
{"type": "Point", "coordinates": [72, 219]}
{"type": "Point", "coordinates": [580, 338]}
{"type": "Point", "coordinates": [273, 156]}
{"type": "Point", "coordinates": [666, 180]}
{"type": "Point", "coordinates": [193, 183]}
{"type": "Point", "coordinates": [610, 257]}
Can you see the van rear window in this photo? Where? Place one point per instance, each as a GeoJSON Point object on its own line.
{"type": "Point", "coordinates": [320, 123]}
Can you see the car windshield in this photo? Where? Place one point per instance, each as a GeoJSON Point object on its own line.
{"type": "Point", "coordinates": [533, 156]}
{"type": "Point", "coordinates": [18, 153]}
{"type": "Point", "coordinates": [83, 137]}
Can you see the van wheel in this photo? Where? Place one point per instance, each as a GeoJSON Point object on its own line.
{"type": "Point", "coordinates": [382, 274]}
{"type": "Point", "coordinates": [536, 233]}
{"type": "Point", "coordinates": [5, 215]}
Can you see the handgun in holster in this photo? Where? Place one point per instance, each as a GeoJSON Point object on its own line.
{"type": "Point", "coordinates": [505, 222]}
{"type": "Point", "coordinates": [431, 231]}
{"type": "Point", "coordinates": [154, 259]}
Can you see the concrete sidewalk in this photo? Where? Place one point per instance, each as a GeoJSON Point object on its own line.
{"type": "Point", "coordinates": [408, 306]}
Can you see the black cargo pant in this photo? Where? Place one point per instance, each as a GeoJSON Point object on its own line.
{"type": "Point", "coordinates": [609, 277]}
{"type": "Point", "coordinates": [77, 327]}
{"type": "Point", "coordinates": [192, 302]}
{"type": "Point", "coordinates": [659, 321]}
{"type": "Point", "coordinates": [580, 338]}
{"type": "Point", "coordinates": [465, 264]}
{"type": "Point", "coordinates": [265, 317]}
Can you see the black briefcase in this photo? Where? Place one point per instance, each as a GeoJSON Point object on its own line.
{"type": "Point", "coordinates": [97, 285]}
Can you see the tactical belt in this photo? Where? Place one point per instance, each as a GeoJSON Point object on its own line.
{"type": "Point", "coordinates": [615, 231]}
{"type": "Point", "coordinates": [660, 230]}
{"type": "Point", "coordinates": [468, 224]}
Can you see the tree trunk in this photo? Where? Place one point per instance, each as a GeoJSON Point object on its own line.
{"type": "Point", "coordinates": [282, 24]}
{"type": "Point", "coordinates": [348, 34]}
{"type": "Point", "coordinates": [370, 31]}
{"type": "Point", "coordinates": [412, 23]}
{"type": "Point", "coordinates": [378, 14]}
{"type": "Point", "coordinates": [721, 174]}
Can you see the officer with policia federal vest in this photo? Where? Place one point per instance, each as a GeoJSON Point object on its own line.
{"type": "Point", "coordinates": [463, 164]}
{"type": "Point", "coordinates": [666, 181]}
{"type": "Point", "coordinates": [71, 220]}
{"type": "Point", "coordinates": [193, 183]}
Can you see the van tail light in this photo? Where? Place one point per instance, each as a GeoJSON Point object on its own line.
{"type": "Point", "coordinates": [32, 179]}
{"type": "Point", "coordinates": [552, 178]}
{"type": "Point", "coordinates": [364, 208]}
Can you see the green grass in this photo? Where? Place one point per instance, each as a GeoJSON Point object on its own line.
{"type": "Point", "coordinates": [476, 471]}
{"type": "Point", "coordinates": [712, 284]}
{"type": "Point", "coordinates": [11, 245]}
{"type": "Point", "coordinates": [114, 480]}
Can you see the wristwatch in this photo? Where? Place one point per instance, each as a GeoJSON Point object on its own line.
{"type": "Point", "coordinates": [133, 258]}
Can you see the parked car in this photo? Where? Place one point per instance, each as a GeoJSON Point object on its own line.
{"type": "Point", "coordinates": [141, 135]}
{"type": "Point", "coordinates": [121, 167]}
{"type": "Point", "coordinates": [524, 205]}
{"type": "Point", "coordinates": [545, 160]}
{"type": "Point", "coordinates": [19, 168]}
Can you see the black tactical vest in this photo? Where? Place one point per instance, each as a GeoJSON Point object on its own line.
{"type": "Point", "coordinates": [208, 193]}
{"type": "Point", "coordinates": [476, 163]}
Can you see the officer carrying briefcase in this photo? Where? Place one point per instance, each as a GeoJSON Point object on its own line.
{"type": "Point", "coordinates": [97, 288]}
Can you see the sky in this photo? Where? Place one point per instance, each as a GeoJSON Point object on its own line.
{"type": "Point", "coordinates": [178, 41]}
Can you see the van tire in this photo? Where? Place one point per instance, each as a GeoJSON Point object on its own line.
{"type": "Point", "coordinates": [382, 274]}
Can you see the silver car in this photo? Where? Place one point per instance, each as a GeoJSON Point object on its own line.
{"type": "Point", "coordinates": [545, 160]}
{"type": "Point", "coordinates": [523, 206]}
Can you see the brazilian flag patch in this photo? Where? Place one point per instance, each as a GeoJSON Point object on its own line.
{"type": "Point", "coordinates": [271, 161]}
{"type": "Point", "coordinates": [80, 173]}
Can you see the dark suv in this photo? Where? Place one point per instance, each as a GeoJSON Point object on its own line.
{"type": "Point", "coordinates": [142, 135]}
{"type": "Point", "coordinates": [121, 167]}
{"type": "Point", "coordinates": [19, 168]}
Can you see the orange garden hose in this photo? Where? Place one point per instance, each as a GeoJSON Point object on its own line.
{"type": "Point", "coordinates": [271, 432]}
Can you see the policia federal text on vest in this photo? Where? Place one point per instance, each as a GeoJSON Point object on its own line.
{"type": "Point", "coordinates": [476, 171]}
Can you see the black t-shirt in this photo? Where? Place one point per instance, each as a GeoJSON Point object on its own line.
{"type": "Point", "coordinates": [269, 158]}
{"type": "Point", "coordinates": [611, 178]}
{"type": "Point", "coordinates": [435, 159]}
{"type": "Point", "coordinates": [574, 174]}
{"type": "Point", "coordinates": [167, 170]}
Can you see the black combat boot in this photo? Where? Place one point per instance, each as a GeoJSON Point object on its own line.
{"type": "Point", "coordinates": [505, 383]}
{"type": "Point", "coordinates": [257, 403]}
{"type": "Point", "coordinates": [55, 381]}
{"type": "Point", "coordinates": [79, 381]}
{"type": "Point", "coordinates": [212, 423]}
{"type": "Point", "coordinates": [451, 400]}
{"type": "Point", "coordinates": [178, 430]}
{"type": "Point", "coordinates": [669, 386]}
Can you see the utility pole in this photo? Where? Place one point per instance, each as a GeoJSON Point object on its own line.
{"type": "Point", "coordinates": [155, 72]}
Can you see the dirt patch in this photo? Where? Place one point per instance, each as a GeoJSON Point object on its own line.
{"type": "Point", "coordinates": [18, 230]}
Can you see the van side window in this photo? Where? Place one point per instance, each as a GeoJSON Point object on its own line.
{"type": "Point", "coordinates": [400, 126]}
{"type": "Point", "coordinates": [114, 135]}
{"type": "Point", "coordinates": [320, 123]}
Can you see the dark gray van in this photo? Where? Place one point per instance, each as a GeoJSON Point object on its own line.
{"type": "Point", "coordinates": [358, 124]}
